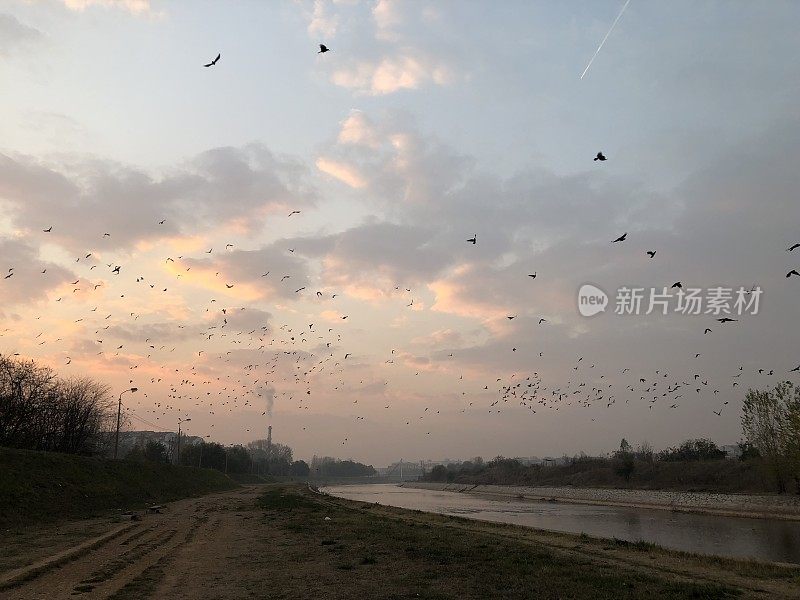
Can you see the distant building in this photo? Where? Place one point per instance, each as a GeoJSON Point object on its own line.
{"type": "Point", "coordinates": [128, 440]}
{"type": "Point", "coordinates": [732, 451]}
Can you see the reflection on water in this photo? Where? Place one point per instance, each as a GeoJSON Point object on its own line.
{"type": "Point", "coordinates": [762, 539]}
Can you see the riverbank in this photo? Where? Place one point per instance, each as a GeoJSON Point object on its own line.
{"type": "Point", "coordinates": [38, 487]}
{"type": "Point", "coordinates": [285, 541]}
{"type": "Point", "coordinates": [739, 505]}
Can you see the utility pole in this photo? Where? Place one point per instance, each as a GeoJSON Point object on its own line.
{"type": "Point", "coordinates": [119, 416]}
{"type": "Point", "coordinates": [178, 457]}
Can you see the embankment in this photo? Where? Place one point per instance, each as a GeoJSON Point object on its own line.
{"type": "Point", "coordinates": [745, 505]}
{"type": "Point", "coordinates": [39, 487]}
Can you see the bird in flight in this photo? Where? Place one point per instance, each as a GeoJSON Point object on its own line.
{"type": "Point", "coordinates": [651, 253]}
{"type": "Point", "coordinates": [533, 276]}
{"type": "Point", "coordinates": [707, 331]}
{"type": "Point", "coordinates": [677, 284]}
{"type": "Point", "coordinates": [323, 48]}
{"type": "Point", "coordinates": [620, 238]}
{"type": "Point", "coordinates": [793, 247]}
{"type": "Point", "coordinates": [229, 285]}
{"type": "Point", "coordinates": [294, 212]}
{"type": "Point", "coordinates": [727, 320]}
{"type": "Point", "coordinates": [600, 156]}
{"type": "Point", "coordinates": [792, 272]}
{"type": "Point", "coordinates": [473, 240]}
{"type": "Point", "coordinates": [213, 62]}
{"type": "Point", "coordinates": [797, 368]}
{"type": "Point", "coordinates": [48, 230]}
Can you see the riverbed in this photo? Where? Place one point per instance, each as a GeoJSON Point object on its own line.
{"type": "Point", "coordinates": [761, 539]}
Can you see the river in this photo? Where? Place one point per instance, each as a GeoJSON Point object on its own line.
{"type": "Point", "coordinates": [760, 539]}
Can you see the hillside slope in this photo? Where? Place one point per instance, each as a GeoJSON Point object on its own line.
{"type": "Point", "coordinates": [46, 486]}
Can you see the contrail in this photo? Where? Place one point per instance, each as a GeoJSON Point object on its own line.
{"type": "Point", "coordinates": [605, 38]}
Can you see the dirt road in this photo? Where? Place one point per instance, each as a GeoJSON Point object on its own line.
{"type": "Point", "coordinates": [188, 551]}
{"type": "Point", "coordinates": [286, 542]}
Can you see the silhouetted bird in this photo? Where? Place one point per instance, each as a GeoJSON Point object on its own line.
{"type": "Point", "coordinates": [705, 332]}
{"type": "Point", "coordinates": [620, 238]}
{"type": "Point", "coordinates": [651, 253]}
{"type": "Point", "coordinates": [323, 48]}
{"type": "Point", "coordinates": [792, 272]}
{"type": "Point", "coordinates": [727, 320]}
{"type": "Point", "coordinates": [793, 247]}
{"type": "Point", "coordinates": [213, 62]}
{"type": "Point", "coordinates": [600, 156]}
{"type": "Point", "coordinates": [677, 284]}
{"type": "Point", "coordinates": [48, 230]}
{"type": "Point", "coordinates": [473, 240]}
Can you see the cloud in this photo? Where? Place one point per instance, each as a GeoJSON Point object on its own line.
{"type": "Point", "coordinates": [160, 331]}
{"type": "Point", "coordinates": [86, 198]}
{"type": "Point", "coordinates": [322, 24]}
{"type": "Point", "coordinates": [135, 7]}
{"type": "Point", "coordinates": [387, 15]}
{"type": "Point", "coordinates": [15, 35]}
{"type": "Point", "coordinates": [246, 269]}
{"type": "Point", "coordinates": [400, 55]}
{"type": "Point", "coordinates": [406, 70]}
{"type": "Point", "coordinates": [27, 283]}
{"type": "Point", "coordinates": [341, 171]}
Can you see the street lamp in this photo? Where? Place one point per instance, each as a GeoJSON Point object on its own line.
{"type": "Point", "coordinates": [119, 414]}
{"type": "Point", "coordinates": [178, 457]}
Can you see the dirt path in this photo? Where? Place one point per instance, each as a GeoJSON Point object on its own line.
{"type": "Point", "coordinates": [150, 554]}
{"type": "Point", "coordinates": [296, 544]}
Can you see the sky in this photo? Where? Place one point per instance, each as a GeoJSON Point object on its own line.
{"type": "Point", "coordinates": [365, 325]}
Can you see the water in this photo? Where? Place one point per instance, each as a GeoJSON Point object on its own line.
{"type": "Point", "coordinates": [761, 539]}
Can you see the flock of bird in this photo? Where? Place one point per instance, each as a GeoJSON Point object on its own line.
{"type": "Point", "coordinates": [236, 368]}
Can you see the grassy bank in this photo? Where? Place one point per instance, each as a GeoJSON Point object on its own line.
{"type": "Point", "coordinates": [376, 551]}
{"type": "Point", "coordinates": [38, 487]}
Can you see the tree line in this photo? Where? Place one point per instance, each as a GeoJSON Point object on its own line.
{"type": "Point", "coordinates": [768, 457]}
{"type": "Point", "coordinates": [40, 411]}
{"type": "Point", "coordinates": [256, 457]}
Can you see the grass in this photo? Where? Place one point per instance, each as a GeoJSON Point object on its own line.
{"type": "Point", "coordinates": [425, 556]}
{"type": "Point", "coordinates": [41, 487]}
{"type": "Point", "coordinates": [249, 478]}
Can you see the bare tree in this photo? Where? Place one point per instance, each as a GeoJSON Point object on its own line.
{"type": "Point", "coordinates": [38, 411]}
